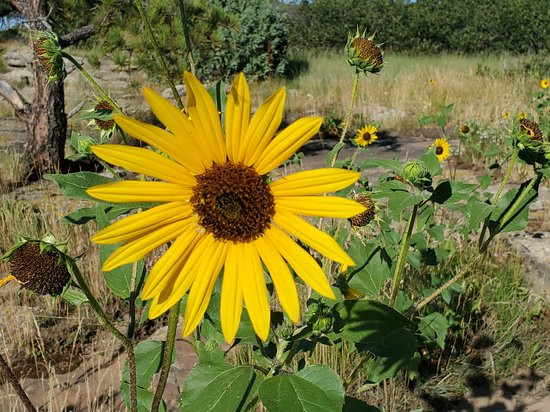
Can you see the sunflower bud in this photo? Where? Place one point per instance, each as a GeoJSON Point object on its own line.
{"type": "Point", "coordinates": [39, 265]}
{"type": "Point", "coordinates": [416, 173]}
{"type": "Point", "coordinates": [319, 317]}
{"type": "Point", "coordinates": [363, 218]}
{"type": "Point", "coordinates": [104, 110]}
{"type": "Point", "coordinates": [364, 54]}
{"type": "Point", "coordinates": [49, 54]}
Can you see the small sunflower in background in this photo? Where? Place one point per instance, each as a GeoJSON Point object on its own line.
{"type": "Point", "coordinates": [366, 135]}
{"type": "Point", "coordinates": [464, 129]}
{"type": "Point", "coordinates": [442, 149]}
{"type": "Point", "coordinates": [431, 82]}
{"type": "Point", "coordinates": [544, 83]}
{"type": "Point", "coordinates": [522, 115]}
{"type": "Point", "coordinates": [506, 114]}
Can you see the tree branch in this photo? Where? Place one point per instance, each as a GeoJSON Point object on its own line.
{"type": "Point", "coordinates": [14, 98]}
{"type": "Point", "coordinates": [82, 33]}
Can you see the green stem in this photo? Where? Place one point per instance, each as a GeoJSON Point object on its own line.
{"type": "Point", "coordinates": [349, 114]}
{"type": "Point", "coordinates": [402, 255]}
{"type": "Point", "coordinates": [12, 379]}
{"type": "Point", "coordinates": [92, 81]}
{"type": "Point", "coordinates": [186, 36]}
{"type": "Point", "coordinates": [496, 196]}
{"type": "Point", "coordinates": [127, 343]}
{"type": "Point", "coordinates": [160, 57]}
{"type": "Point", "coordinates": [166, 355]}
{"type": "Point", "coordinates": [359, 149]}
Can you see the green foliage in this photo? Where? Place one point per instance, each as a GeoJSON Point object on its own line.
{"type": "Point", "coordinates": [432, 26]}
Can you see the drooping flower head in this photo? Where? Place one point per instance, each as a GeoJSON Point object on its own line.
{"type": "Point", "coordinates": [531, 128]}
{"type": "Point", "coordinates": [220, 209]}
{"type": "Point", "coordinates": [442, 149]}
{"type": "Point", "coordinates": [39, 265]}
{"type": "Point", "coordinates": [49, 55]}
{"type": "Point", "coordinates": [366, 135]}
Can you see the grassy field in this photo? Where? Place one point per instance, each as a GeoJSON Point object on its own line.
{"type": "Point", "coordinates": [495, 305]}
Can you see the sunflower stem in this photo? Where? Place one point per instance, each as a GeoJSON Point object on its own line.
{"type": "Point", "coordinates": [167, 355]}
{"type": "Point", "coordinates": [349, 114]}
{"type": "Point", "coordinates": [495, 198]}
{"type": "Point", "coordinates": [156, 47]}
{"type": "Point", "coordinates": [186, 36]}
{"type": "Point", "coordinates": [92, 81]}
{"type": "Point", "coordinates": [359, 149]}
{"type": "Point", "coordinates": [127, 343]}
{"type": "Point", "coordinates": [12, 379]}
{"type": "Point", "coordinates": [402, 256]}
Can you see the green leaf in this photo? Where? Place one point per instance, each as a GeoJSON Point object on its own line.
{"type": "Point", "coordinates": [85, 214]}
{"type": "Point", "coordinates": [432, 163]}
{"type": "Point", "coordinates": [372, 267]}
{"type": "Point", "coordinates": [390, 164]}
{"type": "Point", "coordinates": [433, 328]}
{"type": "Point", "coordinates": [119, 280]}
{"type": "Point", "coordinates": [75, 184]}
{"type": "Point", "coordinates": [442, 192]}
{"type": "Point", "coordinates": [148, 356]}
{"type": "Point", "coordinates": [334, 152]}
{"type": "Point", "coordinates": [144, 398]}
{"type": "Point", "coordinates": [218, 387]}
{"type": "Point", "coordinates": [518, 220]}
{"type": "Point", "coordinates": [284, 393]}
{"type": "Point", "coordinates": [368, 322]}
{"type": "Point", "coordinates": [398, 201]}
{"type": "Point", "coordinates": [325, 378]}
{"type": "Point", "coordinates": [477, 211]}
{"type": "Point", "coordinates": [74, 296]}
{"type": "Point", "coordinates": [356, 405]}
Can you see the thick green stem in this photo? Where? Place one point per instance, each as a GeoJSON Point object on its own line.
{"type": "Point", "coordinates": [127, 343]}
{"type": "Point", "coordinates": [167, 355]}
{"type": "Point", "coordinates": [186, 36]}
{"type": "Point", "coordinates": [160, 57]}
{"type": "Point", "coordinates": [92, 81]}
{"type": "Point", "coordinates": [402, 255]}
{"type": "Point", "coordinates": [349, 114]}
{"type": "Point", "coordinates": [12, 379]}
{"type": "Point", "coordinates": [496, 196]}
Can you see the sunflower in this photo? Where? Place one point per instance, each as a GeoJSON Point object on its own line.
{"type": "Point", "coordinates": [506, 114]}
{"type": "Point", "coordinates": [366, 135]}
{"type": "Point", "coordinates": [220, 209]}
{"type": "Point", "coordinates": [544, 83]}
{"type": "Point", "coordinates": [431, 82]}
{"type": "Point", "coordinates": [442, 149]}
{"type": "Point", "coordinates": [522, 115]}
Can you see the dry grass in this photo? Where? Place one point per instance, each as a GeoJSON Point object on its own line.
{"type": "Point", "coordinates": [401, 93]}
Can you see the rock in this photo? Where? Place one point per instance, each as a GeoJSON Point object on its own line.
{"type": "Point", "coordinates": [18, 77]}
{"type": "Point", "coordinates": [167, 93]}
{"type": "Point", "coordinates": [18, 58]}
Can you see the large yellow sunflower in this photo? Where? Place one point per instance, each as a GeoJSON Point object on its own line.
{"type": "Point", "coordinates": [220, 208]}
{"type": "Point", "coordinates": [442, 149]}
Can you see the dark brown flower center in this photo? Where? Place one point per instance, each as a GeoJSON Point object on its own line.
{"type": "Point", "coordinates": [368, 51]}
{"type": "Point", "coordinates": [439, 150]}
{"type": "Point", "coordinates": [233, 202]}
{"type": "Point", "coordinates": [366, 136]}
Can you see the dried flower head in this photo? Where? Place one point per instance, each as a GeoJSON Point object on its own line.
{"type": "Point", "coordinates": [49, 55]}
{"type": "Point", "coordinates": [364, 54]}
{"type": "Point", "coordinates": [38, 265]}
{"type": "Point", "coordinates": [464, 129]}
{"type": "Point", "coordinates": [531, 128]}
{"type": "Point", "coordinates": [363, 218]}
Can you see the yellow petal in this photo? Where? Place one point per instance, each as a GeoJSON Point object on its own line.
{"type": "Point", "coordinates": [282, 278]}
{"type": "Point", "coordinates": [263, 126]}
{"type": "Point", "coordinates": [237, 115]}
{"type": "Point", "coordinates": [199, 296]}
{"type": "Point", "coordinates": [144, 161]}
{"type": "Point", "coordinates": [255, 293]}
{"type": "Point", "coordinates": [169, 115]}
{"type": "Point", "coordinates": [181, 148]}
{"type": "Point", "coordinates": [138, 191]}
{"type": "Point", "coordinates": [313, 182]}
{"type": "Point", "coordinates": [231, 304]}
{"type": "Point", "coordinates": [135, 249]}
{"type": "Point", "coordinates": [171, 263]}
{"type": "Point", "coordinates": [303, 264]}
{"type": "Point", "coordinates": [142, 223]}
{"type": "Point", "coordinates": [7, 279]}
{"type": "Point", "coordinates": [322, 206]}
{"type": "Point", "coordinates": [204, 115]}
{"type": "Point", "coordinates": [315, 238]}
{"type": "Point", "coordinates": [287, 142]}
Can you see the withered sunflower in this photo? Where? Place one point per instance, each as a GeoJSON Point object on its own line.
{"type": "Point", "coordinates": [220, 208]}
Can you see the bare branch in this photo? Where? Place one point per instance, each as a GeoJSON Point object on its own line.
{"type": "Point", "coordinates": [77, 35]}
{"type": "Point", "coordinates": [14, 98]}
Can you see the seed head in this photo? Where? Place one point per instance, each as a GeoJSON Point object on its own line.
{"type": "Point", "coordinates": [104, 109]}
{"type": "Point", "coordinates": [531, 128]}
{"type": "Point", "coordinates": [49, 55]}
{"type": "Point", "coordinates": [363, 218]}
{"type": "Point", "coordinates": [364, 54]}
